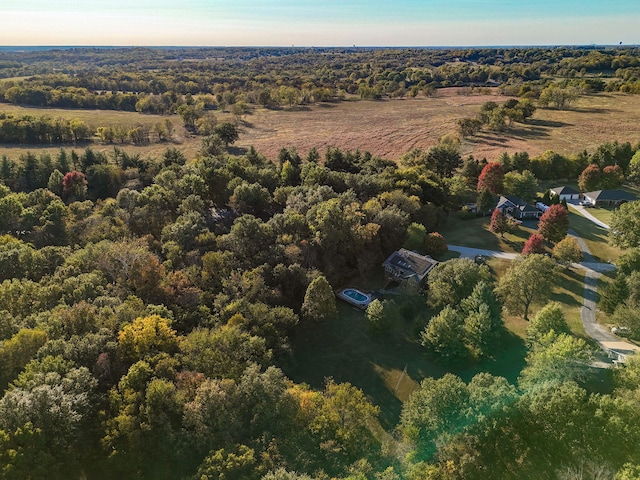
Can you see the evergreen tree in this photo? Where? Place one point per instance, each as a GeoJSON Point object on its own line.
{"type": "Point", "coordinates": [319, 301]}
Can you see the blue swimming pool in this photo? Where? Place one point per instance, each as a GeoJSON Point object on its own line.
{"type": "Point", "coordinates": [355, 297]}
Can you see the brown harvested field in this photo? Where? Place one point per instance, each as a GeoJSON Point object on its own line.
{"type": "Point", "coordinates": [390, 128]}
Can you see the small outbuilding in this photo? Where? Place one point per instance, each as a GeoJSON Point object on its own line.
{"type": "Point", "coordinates": [407, 265]}
{"type": "Point", "coordinates": [565, 193]}
{"type": "Point", "coordinates": [608, 198]}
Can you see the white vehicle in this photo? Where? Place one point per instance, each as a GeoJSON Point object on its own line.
{"type": "Point", "coordinates": [621, 331]}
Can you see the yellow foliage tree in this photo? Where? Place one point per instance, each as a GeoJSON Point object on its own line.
{"type": "Point", "coordinates": [147, 336]}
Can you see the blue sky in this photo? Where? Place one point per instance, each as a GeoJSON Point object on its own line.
{"type": "Point", "coordinates": [319, 23]}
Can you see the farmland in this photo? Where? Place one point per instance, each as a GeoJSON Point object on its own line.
{"type": "Point", "coordinates": [389, 128]}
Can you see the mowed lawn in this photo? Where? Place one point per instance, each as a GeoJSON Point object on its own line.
{"type": "Point", "coordinates": [596, 237]}
{"type": "Point", "coordinates": [475, 233]}
{"type": "Point", "coordinates": [388, 366]}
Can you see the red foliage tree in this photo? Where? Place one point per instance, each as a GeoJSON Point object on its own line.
{"type": "Point", "coordinates": [74, 185]}
{"type": "Point", "coordinates": [589, 179]}
{"type": "Point", "coordinates": [535, 244]}
{"type": "Point", "coordinates": [554, 223]}
{"type": "Point", "coordinates": [499, 223]}
{"type": "Point", "coordinates": [612, 177]}
{"type": "Point", "coordinates": [491, 178]}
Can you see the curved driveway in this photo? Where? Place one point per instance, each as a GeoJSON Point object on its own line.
{"type": "Point", "coordinates": [603, 337]}
{"type": "Point", "coordinates": [585, 213]}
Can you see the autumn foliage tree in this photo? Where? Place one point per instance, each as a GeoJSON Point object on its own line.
{"type": "Point", "coordinates": [554, 223]}
{"type": "Point", "coordinates": [491, 178]}
{"type": "Point", "coordinates": [590, 178]}
{"type": "Point", "coordinates": [435, 244]}
{"type": "Point", "coordinates": [612, 177]}
{"type": "Point", "coordinates": [319, 301]}
{"type": "Point", "coordinates": [567, 251]}
{"type": "Point", "coordinates": [74, 185]}
{"type": "Point", "coordinates": [535, 244]}
{"type": "Point", "coordinates": [500, 223]}
{"type": "Point", "coordinates": [147, 336]}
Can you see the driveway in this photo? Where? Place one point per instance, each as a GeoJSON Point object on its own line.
{"type": "Point", "coordinates": [466, 252]}
{"type": "Point", "coordinates": [585, 213]}
{"type": "Point", "coordinates": [601, 335]}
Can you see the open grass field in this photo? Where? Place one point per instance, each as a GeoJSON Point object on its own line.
{"type": "Point", "coordinates": [603, 214]}
{"type": "Point", "coordinates": [390, 128]}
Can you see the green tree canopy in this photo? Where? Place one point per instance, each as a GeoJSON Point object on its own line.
{"type": "Point", "coordinates": [451, 281]}
{"type": "Point", "coordinates": [319, 301]}
{"type": "Point", "coordinates": [625, 225]}
{"type": "Point", "coordinates": [529, 280]}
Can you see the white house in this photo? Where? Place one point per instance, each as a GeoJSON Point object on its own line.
{"type": "Point", "coordinates": [609, 198]}
{"type": "Point", "coordinates": [565, 193]}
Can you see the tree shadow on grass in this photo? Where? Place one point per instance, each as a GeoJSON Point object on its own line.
{"type": "Point", "coordinates": [530, 132]}
{"type": "Point", "coordinates": [237, 150]}
{"type": "Point", "coordinates": [538, 122]}
{"type": "Point", "coordinates": [508, 361]}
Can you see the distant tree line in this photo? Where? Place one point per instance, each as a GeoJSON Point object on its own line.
{"type": "Point", "coordinates": [29, 129]}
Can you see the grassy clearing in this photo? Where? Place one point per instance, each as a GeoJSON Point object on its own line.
{"type": "Point", "coordinates": [390, 128]}
{"type": "Point", "coordinates": [387, 367]}
{"type": "Point", "coordinates": [596, 238]}
{"type": "Point", "coordinates": [569, 292]}
{"type": "Point", "coordinates": [475, 233]}
{"type": "Point", "coordinates": [345, 350]}
{"type": "Point", "coordinates": [603, 214]}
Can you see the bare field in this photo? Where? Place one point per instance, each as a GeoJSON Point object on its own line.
{"type": "Point", "coordinates": [389, 128]}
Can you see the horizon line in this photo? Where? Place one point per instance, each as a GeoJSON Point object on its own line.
{"type": "Point", "coordinates": [111, 46]}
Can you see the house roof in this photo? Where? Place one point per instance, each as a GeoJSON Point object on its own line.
{"type": "Point", "coordinates": [517, 202]}
{"type": "Point", "coordinates": [615, 195]}
{"type": "Point", "coordinates": [408, 263]}
{"type": "Point", "coordinates": [565, 190]}
{"type": "Point", "coordinates": [509, 199]}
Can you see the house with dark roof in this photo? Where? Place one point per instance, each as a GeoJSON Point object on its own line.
{"type": "Point", "coordinates": [608, 198]}
{"type": "Point", "coordinates": [406, 265]}
{"type": "Point", "coordinates": [517, 208]}
{"type": "Point", "coordinates": [565, 193]}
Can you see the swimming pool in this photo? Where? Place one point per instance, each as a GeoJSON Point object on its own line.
{"type": "Point", "coordinates": [355, 297]}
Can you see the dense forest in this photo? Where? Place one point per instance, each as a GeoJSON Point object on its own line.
{"type": "Point", "coordinates": [148, 306]}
